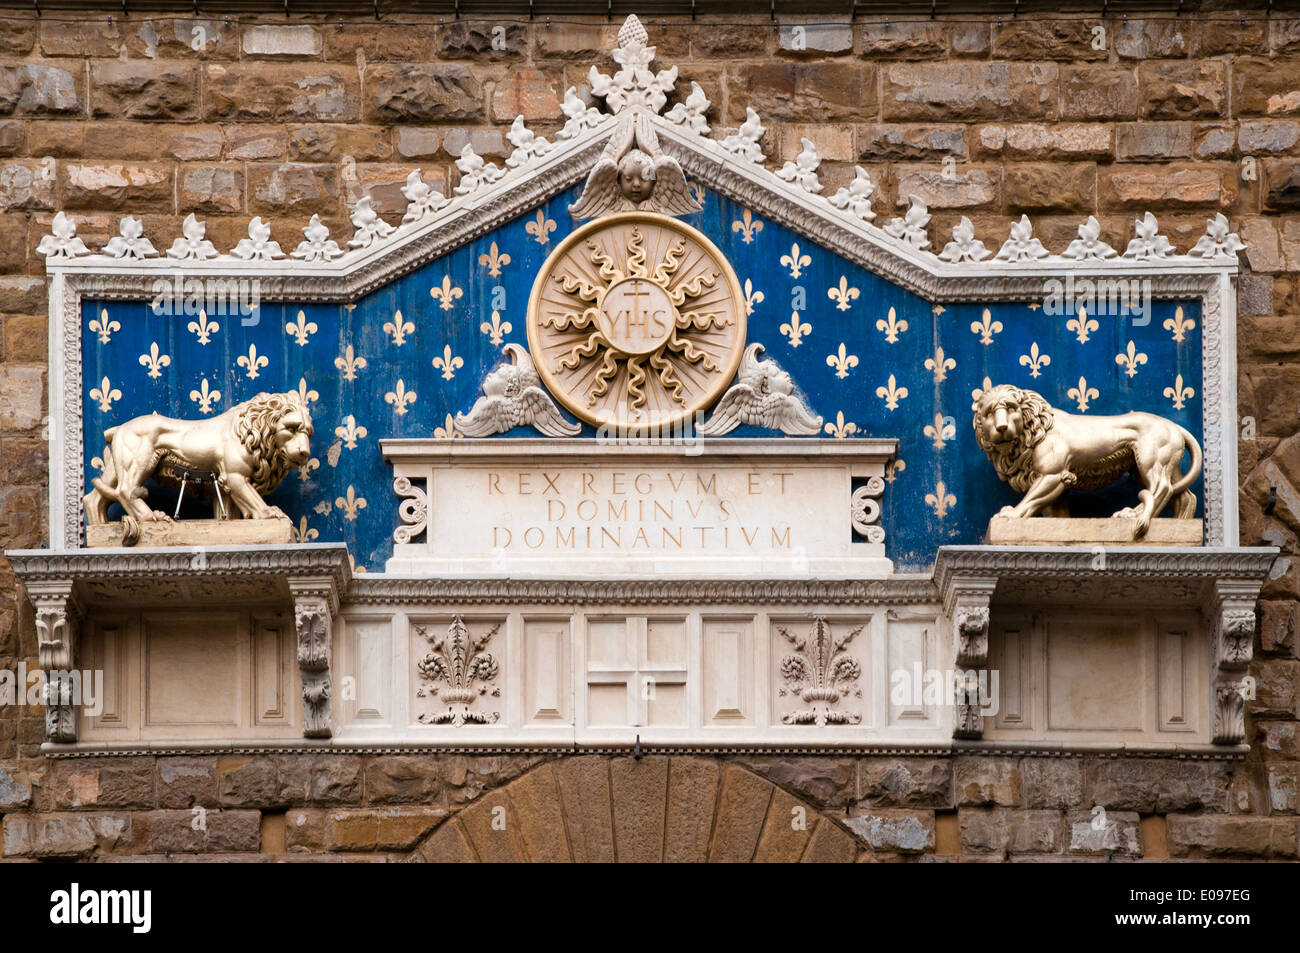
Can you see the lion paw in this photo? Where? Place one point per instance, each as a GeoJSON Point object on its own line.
{"type": "Point", "coordinates": [159, 516]}
{"type": "Point", "coordinates": [1007, 511]}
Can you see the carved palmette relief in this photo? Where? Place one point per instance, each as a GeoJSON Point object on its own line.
{"type": "Point", "coordinates": [458, 671]}
{"type": "Point", "coordinates": [820, 672]}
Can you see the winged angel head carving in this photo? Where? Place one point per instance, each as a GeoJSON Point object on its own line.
{"type": "Point", "coordinates": [513, 397]}
{"type": "Point", "coordinates": [763, 396]}
{"type": "Point", "coordinates": [633, 174]}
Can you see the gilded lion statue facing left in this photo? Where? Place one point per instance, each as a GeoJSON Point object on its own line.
{"type": "Point", "coordinates": [250, 448]}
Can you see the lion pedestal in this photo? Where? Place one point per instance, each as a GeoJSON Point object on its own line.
{"type": "Point", "coordinates": [1112, 531]}
{"type": "Point", "coordinates": [245, 453]}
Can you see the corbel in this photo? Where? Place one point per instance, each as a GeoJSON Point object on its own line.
{"type": "Point", "coordinates": [58, 613]}
{"type": "Point", "coordinates": [315, 605]}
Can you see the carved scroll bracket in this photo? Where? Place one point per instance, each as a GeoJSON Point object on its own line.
{"type": "Point", "coordinates": [315, 605]}
{"type": "Point", "coordinates": [58, 612]}
{"type": "Point", "coordinates": [1232, 620]}
{"type": "Point", "coordinates": [966, 606]}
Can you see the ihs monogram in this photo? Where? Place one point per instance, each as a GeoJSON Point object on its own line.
{"type": "Point", "coordinates": [637, 318]}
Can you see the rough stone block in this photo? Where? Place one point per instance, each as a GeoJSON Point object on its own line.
{"type": "Point", "coordinates": [419, 93]}
{"type": "Point", "coordinates": [964, 91]}
{"type": "Point", "coordinates": [906, 832]}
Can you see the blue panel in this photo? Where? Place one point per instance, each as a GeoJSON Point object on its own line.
{"type": "Point", "coordinates": [919, 515]}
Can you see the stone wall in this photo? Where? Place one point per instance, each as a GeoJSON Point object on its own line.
{"type": "Point", "coordinates": [1056, 119]}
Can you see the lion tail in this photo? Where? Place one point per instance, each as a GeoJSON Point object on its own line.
{"type": "Point", "coordinates": [1194, 470]}
{"type": "Point", "coordinates": [130, 530]}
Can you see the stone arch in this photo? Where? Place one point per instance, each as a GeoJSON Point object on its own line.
{"type": "Point", "coordinates": [660, 808]}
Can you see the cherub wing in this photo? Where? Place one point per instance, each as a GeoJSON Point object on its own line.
{"type": "Point", "coordinates": [792, 417]}
{"type": "Point", "coordinates": [601, 195]}
{"type": "Point", "coordinates": [735, 408]}
{"type": "Point", "coordinates": [671, 194]}
{"type": "Point", "coordinates": [537, 408]}
{"type": "Point", "coordinates": [489, 415]}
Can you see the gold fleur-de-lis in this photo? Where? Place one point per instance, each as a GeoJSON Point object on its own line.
{"type": "Point", "coordinates": [204, 328]}
{"type": "Point", "coordinates": [204, 397]}
{"type": "Point", "coordinates": [978, 392]}
{"type": "Point", "coordinates": [301, 329]}
{"type": "Point", "coordinates": [891, 326]}
{"type": "Point", "coordinates": [843, 294]}
{"type": "Point", "coordinates": [349, 363]}
{"type": "Point", "coordinates": [842, 362]}
{"type": "Point", "coordinates": [795, 329]}
{"type": "Point", "coordinates": [446, 293]}
{"type": "Point", "coordinates": [752, 297]}
{"type": "Point", "coordinates": [351, 504]}
{"type": "Point", "coordinates": [1082, 326]}
{"type": "Point", "coordinates": [541, 228]}
{"type": "Point", "coordinates": [252, 362]}
{"type": "Point", "coordinates": [305, 394]}
{"type": "Point", "coordinates": [154, 361]}
{"type": "Point", "coordinates": [105, 393]}
{"type": "Point", "coordinates": [891, 393]}
{"type": "Point", "coordinates": [398, 328]}
{"type": "Point", "coordinates": [1082, 393]}
{"type": "Point", "coordinates": [1130, 359]}
{"type": "Point", "coordinates": [1034, 360]}
{"type": "Point", "coordinates": [447, 431]}
{"type": "Point", "coordinates": [893, 468]}
{"type": "Point", "coordinates": [104, 327]}
{"type": "Point", "coordinates": [940, 500]}
{"type": "Point", "coordinates": [350, 433]}
{"type": "Point", "coordinates": [448, 363]}
{"type": "Point", "coordinates": [302, 533]}
{"type": "Point", "coordinates": [939, 365]}
{"type": "Point", "coordinates": [841, 428]}
{"type": "Point", "coordinates": [941, 431]}
{"type": "Point", "coordinates": [494, 260]}
{"type": "Point", "coordinates": [1178, 324]}
{"type": "Point", "coordinates": [399, 397]}
{"type": "Point", "coordinates": [748, 226]}
{"type": "Point", "coordinates": [496, 329]}
{"type": "Point", "coordinates": [697, 192]}
{"type": "Point", "coordinates": [304, 471]}
{"type": "Point", "coordinates": [796, 261]}
{"type": "Point", "coordinates": [1179, 394]}
{"type": "Point", "coordinates": [986, 327]}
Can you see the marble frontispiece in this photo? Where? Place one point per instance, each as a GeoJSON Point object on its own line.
{"type": "Point", "coordinates": [637, 434]}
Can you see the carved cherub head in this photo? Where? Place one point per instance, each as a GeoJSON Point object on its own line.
{"type": "Point", "coordinates": [636, 175]}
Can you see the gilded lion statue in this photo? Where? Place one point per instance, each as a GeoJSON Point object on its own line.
{"type": "Point", "coordinates": [250, 448]}
{"type": "Point", "coordinates": [1042, 452]}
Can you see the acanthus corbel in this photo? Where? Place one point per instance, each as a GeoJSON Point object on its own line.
{"type": "Point", "coordinates": [967, 606]}
{"type": "Point", "coordinates": [57, 614]}
{"type": "Point", "coordinates": [315, 604]}
{"type": "Point", "coordinates": [1233, 624]}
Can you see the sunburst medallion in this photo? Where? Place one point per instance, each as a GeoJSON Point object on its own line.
{"type": "Point", "coordinates": [636, 319]}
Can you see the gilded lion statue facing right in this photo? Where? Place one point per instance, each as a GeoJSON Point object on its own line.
{"type": "Point", "coordinates": [1042, 452]}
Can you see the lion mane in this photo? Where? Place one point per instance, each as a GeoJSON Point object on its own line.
{"type": "Point", "coordinates": [255, 427]}
{"type": "Point", "coordinates": [1013, 460]}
